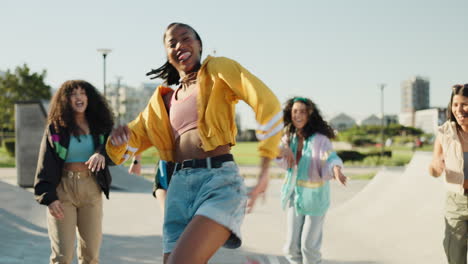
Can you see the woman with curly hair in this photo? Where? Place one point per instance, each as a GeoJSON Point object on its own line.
{"type": "Point", "coordinates": [306, 152]}
{"type": "Point", "coordinates": [72, 171]}
{"type": "Point", "coordinates": [193, 129]}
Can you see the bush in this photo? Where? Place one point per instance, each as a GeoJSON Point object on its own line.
{"type": "Point", "coordinates": [370, 158]}
{"type": "Point", "coordinates": [367, 135]}
{"type": "Point", "coordinates": [9, 145]}
{"type": "Point", "coordinates": [378, 154]}
{"type": "Point", "coordinates": [403, 140]}
{"type": "Point", "coordinates": [385, 161]}
{"type": "Point", "coordinates": [350, 155]}
{"type": "Point", "coordinates": [362, 142]}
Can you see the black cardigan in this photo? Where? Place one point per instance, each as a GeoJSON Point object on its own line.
{"type": "Point", "coordinates": [52, 154]}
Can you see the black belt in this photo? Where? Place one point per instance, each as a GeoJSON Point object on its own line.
{"type": "Point", "coordinates": [213, 162]}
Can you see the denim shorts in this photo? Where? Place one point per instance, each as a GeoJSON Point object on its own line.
{"type": "Point", "coordinates": [218, 194]}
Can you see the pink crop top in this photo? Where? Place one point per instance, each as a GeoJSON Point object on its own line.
{"type": "Point", "coordinates": [183, 113]}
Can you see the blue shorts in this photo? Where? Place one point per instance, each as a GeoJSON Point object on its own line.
{"type": "Point", "coordinates": [218, 194]}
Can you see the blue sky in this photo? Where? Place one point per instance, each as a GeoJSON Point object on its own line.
{"type": "Point", "coordinates": [336, 52]}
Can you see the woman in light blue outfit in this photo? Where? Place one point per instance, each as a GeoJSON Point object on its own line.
{"type": "Point", "coordinates": [307, 153]}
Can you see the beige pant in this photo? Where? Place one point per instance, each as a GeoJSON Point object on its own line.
{"type": "Point", "coordinates": [81, 199]}
{"type": "Point", "coordinates": [456, 228]}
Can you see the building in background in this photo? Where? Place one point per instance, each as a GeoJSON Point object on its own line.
{"type": "Point", "coordinates": [127, 102]}
{"type": "Point", "coordinates": [391, 119]}
{"type": "Point", "coordinates": [148, 89]}
{"type": "Point", "coordinates": [415, 108]}
{"type": "Point", "coordinates": [374, 120]}
{"type": "Point", "coordinates": [371, 120]}
{"type": "Point", "coordinates": [342, 122]}
{"type": "Point", "coordinates": [414, 94]}
{"type": "Point", "coordinates": [427, 120]}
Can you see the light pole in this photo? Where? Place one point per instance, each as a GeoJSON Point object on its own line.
{"type": "Point", "coordinates": [104, 53]}
{"type": "Point", "coordinates": [382, 86]}
{"type": "Point", "coordinates": [117, 96]}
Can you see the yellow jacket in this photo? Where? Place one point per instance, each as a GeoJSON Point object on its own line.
{"type": "Point", "coordinates": [222, 83]}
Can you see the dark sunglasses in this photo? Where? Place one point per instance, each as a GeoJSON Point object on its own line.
{"type": "Point", "coordinates": [459, 86]}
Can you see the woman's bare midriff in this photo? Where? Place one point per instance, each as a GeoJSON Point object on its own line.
{"type": "Point", "coordinates": [188, 146]}
{"type": "Point", "coordinates": [75, 166]}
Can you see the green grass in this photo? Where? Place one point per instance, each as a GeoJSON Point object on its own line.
{"type": "Point", "coordinates": [272, 175]}
{"type": "Point", "coordinates": [364, 176]}
{"type": "Point", "coordinates": [401, 156]}
{"type": "Point", "coordinates": [149, 157]}
{"type": "Point", "coordinates": [246, 153]}
{"type": "Point", "coordinates": [426, 148]}
{"type": "Point", "coordinates": [5, 160]}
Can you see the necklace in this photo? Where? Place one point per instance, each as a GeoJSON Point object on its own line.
{"type": "Point", "coordinates": [188, 79]}
{"type": "Point", "coordinates": [461, 135]}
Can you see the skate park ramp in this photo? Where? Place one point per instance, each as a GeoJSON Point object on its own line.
{"type": "Point", "coordinates": [396, 218]}
{"type": "Point", "coordinates": [23, 227]}
{"type": "Point", "coordinates": [131, 225]}
{"type": "Point", "coordinates": [126, 182]}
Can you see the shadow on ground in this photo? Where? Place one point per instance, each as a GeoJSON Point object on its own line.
{"type": "Point", "coordinates": [326, 261]}
{"type": "Point", "coordinates": [25, 242]}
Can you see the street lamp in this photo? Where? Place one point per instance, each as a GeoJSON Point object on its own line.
{"type": "Point", "coordinates": [104, 53]}
{"type": "Point", "coordinates": [382, 86]}
{"type": "Point", "coordinates": [117, 96]}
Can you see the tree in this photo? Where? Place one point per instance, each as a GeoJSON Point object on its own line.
{"type": "Point", "coordinates": [20, 85]}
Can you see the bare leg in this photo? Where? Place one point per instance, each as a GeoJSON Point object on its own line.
{"type": "Point", "coordinates": [161, 194]}
{"type": "Point", "coordinates": [200, 240]}
{"type": "Point", "coordinates": [166, 257]}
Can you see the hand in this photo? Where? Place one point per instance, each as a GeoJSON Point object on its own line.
{"type": "Point", "coordinates": [56, 209]}
{"type": "Point", "coordinates": [96, 162]}
{"type": "Point", "coordinates": [261, 186]}
{"type": "Point", "coordinates": [258, 190]}
{"type": "Point", "coordinates": [120, 135]}
{"type": "Point", "coordinates": [287, 154]}
{"type": "Point", "coordinates": [437, 166]}
{"type": "Point", "coordinates": [339, 175]}
{"type": "Point", "coordinates": [135, 168]}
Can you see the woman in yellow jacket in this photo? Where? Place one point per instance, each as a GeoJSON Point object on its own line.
{"type": "Point", "coordinates": [194, 126]}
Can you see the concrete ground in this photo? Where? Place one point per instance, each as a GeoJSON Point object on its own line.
{"type": "Point", "coordinates": [396, 218]}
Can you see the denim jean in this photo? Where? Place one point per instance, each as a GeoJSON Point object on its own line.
{"type": "Point", "coordinates": [216, 193]}
{"type": "Point", "coordinates": [303, 237]}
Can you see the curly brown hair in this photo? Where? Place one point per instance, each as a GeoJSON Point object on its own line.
{"type": "Point", "coordinates": [98, 113]}
{"type": "Point", "coordinates": [315, 122]}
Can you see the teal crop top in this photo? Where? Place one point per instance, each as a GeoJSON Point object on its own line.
{"type": "Point", "coordinates": [80, 151]}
